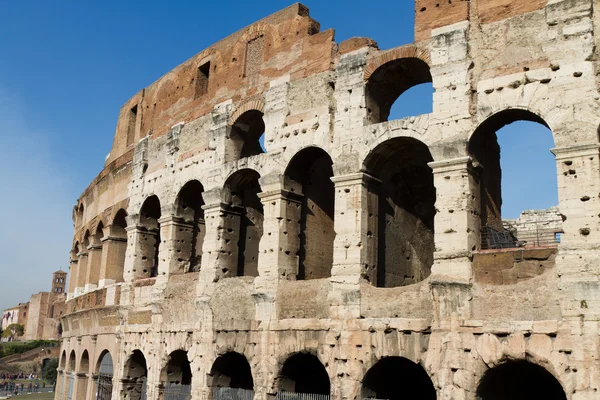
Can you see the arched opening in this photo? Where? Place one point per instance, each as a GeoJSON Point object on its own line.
{"type": "Point", "coordinates": [401, 206]}
{"type": "Point", "coordinates": [105, 373]}
{"type": "Point", "coordinates": [80, 213]}
{"type": "Point", "coordinates": [418, 100]}
{"type": "Point", "coordinates": [191, 235]}
{"type": "Point", "coordinates": [512, 149]}
{"type": "Point", "coordinates": [63, 361]}
{"type": "Point", "coordinates": [149, 238]}
{"type": "Point", "coordinates": [95, 254]}
{"type": "Point", "coordinates": [243, 223]}
{"type": "Point", "coordinates": [176, 377]}
{"type": "Point", "coordinates": [115, 246]}
{"type": "Point", "coordinates": [82, 264]}
{"type": "Point", "coordinates": [82, 376]}
{"type": "Point", "coordinates": [304, 373]}
{"type": "Point", "coordinates": [84, 364]}
{"type": "Point", "coordinates": [519, 380]}
{"type": "Point", "coordinates": [396, 378]}
{"type": "Point", "coordinates": [390, 81]}
{"type": "Point", "coordinates": [309, 177]}
{"type": "Point", "coordinates": [247, 133]}
{"type": "Point", "coordinates": [231, 377]}
{"type": "Point", "coordinates": [135, 377]}
{"type": "Point", "coordinates": [71, 369]}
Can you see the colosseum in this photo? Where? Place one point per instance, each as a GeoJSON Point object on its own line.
{"type": "Point", "coordinates": [262, 230]}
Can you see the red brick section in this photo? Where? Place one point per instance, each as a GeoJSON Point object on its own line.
{"type": "Point", "coordinates": [356, 43]}
{"type": "Point", "coordinates": [432, 14]}
{"type": "Point", "coordinates": [496, 10]}
{"type": "Point", "coordinates": [257, 104]}
{"type": "Point", "coordinates": [408, 51]}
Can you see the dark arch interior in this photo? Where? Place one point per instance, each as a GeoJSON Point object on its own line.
{"type": "Point", "coordinates": [232, 370]}
{"type": "Point", "coordinates": [396, 378]}
{"type": "Point", "coordinates": [390, 81]}
{"type": "Point", "coordinates": [136, 365]}
{"type": "Point", "coordinates": [309, 176]}
{"type": "Point", "coordinates": [63, 360]}
{"type": "Point", "coordinates": [304, 373]}
{"type": "Point", "coordinates": [484, 147]}
{"type": "Point", "coordinates": [84, 364]}
{"type": "Point", "coordinates": [149, 215]}
{"type": "Point", "coordinates": [519, 380]}
{"type": "Point", "coordinates": [189, 208]}
{"type": "Point", "coordinates": [245, 222]}
{"type": "Point", "coordinates": [134, 381]}
{"type": "Point", "coordinates": [119, 224]}
{"type": "Point", "coordinates": [246, 135]}
{"type": "Point", "coordinates": [178, 369]}
{"type": "Point", "coordinates": [72, 362]}
{"type": "Point", "coordinates": [401, 213]}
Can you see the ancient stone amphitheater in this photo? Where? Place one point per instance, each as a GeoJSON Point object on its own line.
{"type": "Point", "coordinates": [350, 256]}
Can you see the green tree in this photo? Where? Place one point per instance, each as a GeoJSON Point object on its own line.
{"type": "Point", "coordinates": [13, 331]}
{"type": "Point", "coordinates": [49, 370]}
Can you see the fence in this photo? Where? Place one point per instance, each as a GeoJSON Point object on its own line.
{"type": "Point", "coordinates": [226, 393]}
{"type": "Point", "coordinates": [530, 235]}
{"type": "Point", "coordinates": [301, 396]}
{"type": "Point", "coordinates": [175, 391]}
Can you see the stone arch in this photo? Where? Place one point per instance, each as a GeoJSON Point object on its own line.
{"type": "Point", "coordinates": [308, 177]}
{"type": "Point", "coordinates": [243, 222]}
{"type": "Point", "coordinates": [401, 201]}
{"type": "Point", "coordinates": [190, 214]}
{"type": "Point", "coordinates": [149, 240]}
{"type": "Point", "coordinates": [176, 375]}
{"type": "Point", "coordinates": [519, 380]}
{"type": "Point", "coordinates": [84, 363]}
{"type": "Point", "coordinates": [245, 132]}
{"type": "Point", "coordinates": [230, 372]}
{"type": "Point", "coordinates": [135, 375]}
{"type": "Point", "coordinates": [396, 378]}
{"type": "Point", "coordinates": [484, 148]}
{"type": "Point", "coordinates": [63, 360]}
{"type": "Point", "coordinates": [252, 105]}
{"type": "Point", "coordinates": [72, 366]}
{"type": "Point", "coordinates": [390, 74]}
{"type": "Point", "coordinates": [303, 373]}
{"type": "Point", "coordinates": [104, 372]}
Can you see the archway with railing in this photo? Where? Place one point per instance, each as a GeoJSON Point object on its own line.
{"type": "Point", "coordinates": [303, 377]}
{"type": "Point", "coordinates": [104, 377]}
{"type": "Point", "coordinates": [176, 378]}
{"type": "Point", "coordinates": [397, 378]}
{"type": "Point", "coordinates": [135, 377]}
{"type": "Point", "coordinates": [231, 378]}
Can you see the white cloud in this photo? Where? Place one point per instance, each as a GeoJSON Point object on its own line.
{"type": "Point", "coordinates": [36, 199]}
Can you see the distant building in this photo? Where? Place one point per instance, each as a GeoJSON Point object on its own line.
{"type": "Point", "coordinates": [41, 315]}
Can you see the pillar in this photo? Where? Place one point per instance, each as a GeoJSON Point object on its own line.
{"type": "Point", "coordinates": [278, 247]}
{"type": "Point", "coordinates": [112, 264]}
{"type": "Point", "coordinates": [578, 261]}
{"type": "Point", "coordinates": [81, 384]}
{"type": "Point", "coordinates": [140, 255]}
{"type": "Point", "coordinates": [81, 272]}
{"type": "Point", "coordinates": [457, 234]}
{"type": "Point", "coordinates": [176, 246]}
{"type": "Point", "coordinates": [93, 264]}
{"type": "Point", "coordinates": [355, 245]}
{"type": "Point", "coordinates": [74, 269]}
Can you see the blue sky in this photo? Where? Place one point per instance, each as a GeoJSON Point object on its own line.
{"type": "Point", "coordinates": [67, 66]}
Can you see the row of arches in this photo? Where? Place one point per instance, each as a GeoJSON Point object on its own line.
{"type": "Point", "coordinates": [392, 378]}
{"type": "Point", "coordinates": [401, 212]}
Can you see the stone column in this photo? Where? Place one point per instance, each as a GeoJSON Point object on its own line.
{"type": "Point", "coordinates": [578, 261]}
{"type": "Point", "coordinates": [457, 235]}
{"type": "Point", "coordinates": [81, 272]}
{"type": "Point", "coordinates": [278, 248]}
{"type": "Point", "coordinates": [457, 226]}
{"type": "Point", "coordinates": [81, 384]}
{"type": "Point", "coordinates": [93, 264]}
{"type": "Point", "coordinates": [74, 269]}
{"type": "Point", "coordinates": [138, 263]}
{"type": "Point", "coordinates": [176, 246]}
{"type": "Point", "coordinates": [355, 246]}
{"type": "Point", "coordinates": [112, 264]}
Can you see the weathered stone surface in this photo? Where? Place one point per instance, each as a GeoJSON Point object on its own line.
{"type": "Point", "coordinates": [351, 239]}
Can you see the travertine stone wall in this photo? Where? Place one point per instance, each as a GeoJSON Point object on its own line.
{"type": "Point", "coordinates": [453, 313]}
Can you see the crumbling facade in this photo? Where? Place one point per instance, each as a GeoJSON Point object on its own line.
{"type": "Point", "coordinates": [347, 258]}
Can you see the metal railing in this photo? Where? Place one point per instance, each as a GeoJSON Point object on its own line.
{"type": "Point", "coordinates": [301, 396]}
{"type": "Point", "coordinates": [509, 238]}
{"type": "Point", "coordinates": [175, 391]}
{"type": "Point", "coordinates": [226, 393]}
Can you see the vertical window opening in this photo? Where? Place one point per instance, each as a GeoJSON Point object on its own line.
{"type": "Point", "coordinates": [131, 124]}
{"type": "Point", "coordinates": [202, 79]}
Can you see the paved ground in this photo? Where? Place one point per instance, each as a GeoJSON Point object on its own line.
{"type": "Point", "coordinates": [34, 396]}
